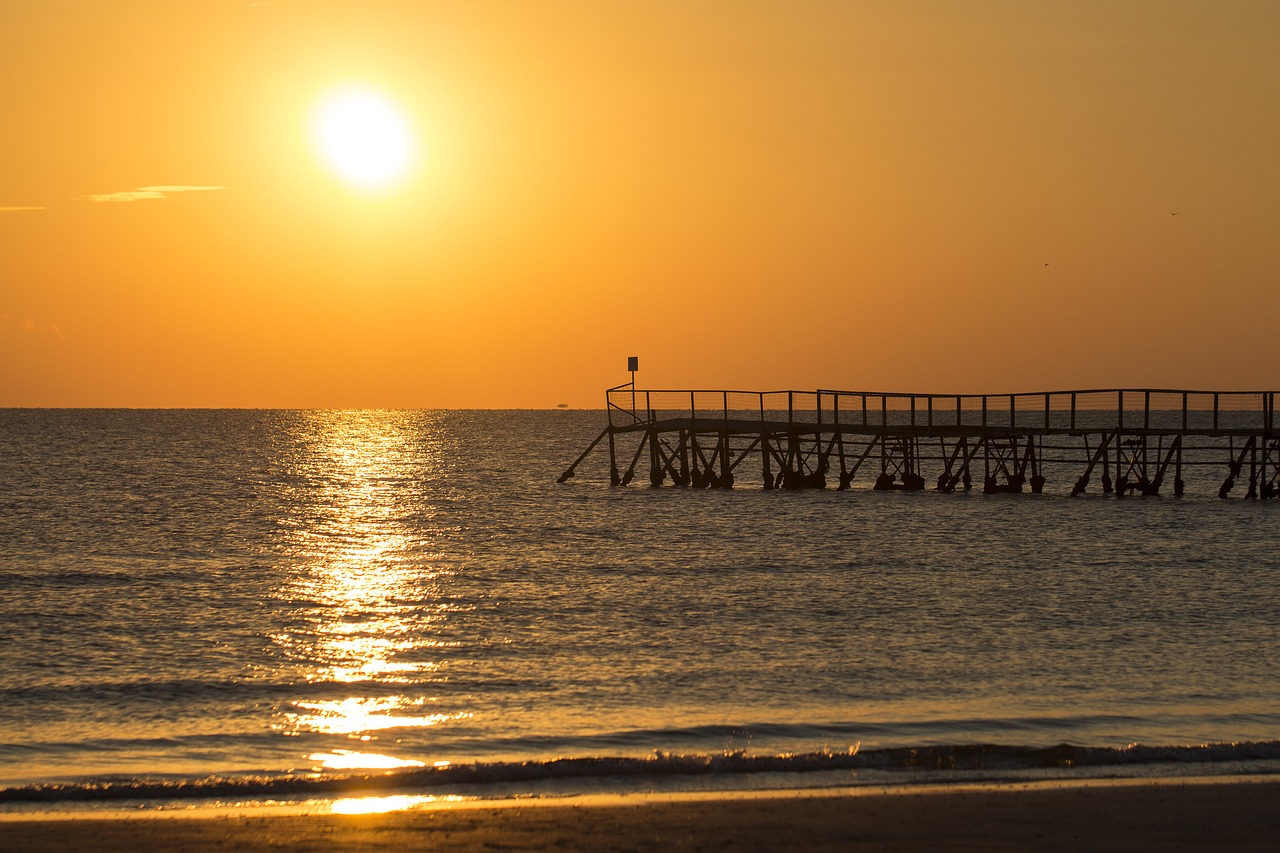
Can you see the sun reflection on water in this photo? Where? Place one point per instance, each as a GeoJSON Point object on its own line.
{"type": "Point", "coordinates": [381, 805]}
{"type": "Point", "coordinates": [357, 715]}
{"type": "Point", "coordinates": [345, 759]}
{"type": "Point", "coordinates": [365, 594]}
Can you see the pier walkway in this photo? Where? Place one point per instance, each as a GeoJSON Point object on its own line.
{"type": "Point", "coordinates": [1134, 441]}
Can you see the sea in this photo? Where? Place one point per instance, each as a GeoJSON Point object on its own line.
{"type": "Point", "coordinates": [343, 607]}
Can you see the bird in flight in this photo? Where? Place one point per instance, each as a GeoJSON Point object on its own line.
{"type": "Point", "coordinates": [1175, 214]}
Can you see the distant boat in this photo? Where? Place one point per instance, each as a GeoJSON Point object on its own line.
{"type": "Point", "coordinates": [563, 406]}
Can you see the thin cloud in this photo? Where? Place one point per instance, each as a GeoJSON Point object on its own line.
{"type": "Point", "coordinates": [147, 193]}
{"type": "Point", "coordinates": [28, 326]}
{"type": "Point", "coordinates": [129, 195]}
{"type": "Point", "coordinates": [12, 209]}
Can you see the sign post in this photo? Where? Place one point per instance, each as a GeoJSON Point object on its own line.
{"type": "Point", "coordinates": [633, 364]}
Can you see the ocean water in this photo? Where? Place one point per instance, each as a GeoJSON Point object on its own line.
{"type": "Point", "coordinates": [302, 603]}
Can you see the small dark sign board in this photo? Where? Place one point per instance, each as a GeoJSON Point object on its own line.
{"type": "Point", "coordinates": [633, 363]}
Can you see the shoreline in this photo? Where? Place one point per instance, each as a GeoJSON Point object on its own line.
{"type": "Point", "coordinates": [1240, 813]}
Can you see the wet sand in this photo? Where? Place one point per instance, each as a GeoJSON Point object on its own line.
{"type": "Point", "coordinates": [1242, 815]}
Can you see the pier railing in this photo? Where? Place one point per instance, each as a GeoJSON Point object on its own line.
{"type": "Point", "coordinates": [1190, 412]}
{"type": "Point", "coordinates": [1132, 440]}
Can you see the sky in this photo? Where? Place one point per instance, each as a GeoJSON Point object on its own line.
{"type": "Point", "coordinates": [947, 197]}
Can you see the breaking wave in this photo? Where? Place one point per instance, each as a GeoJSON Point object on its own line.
{"type": "Point", "coordinates": [968, 757]}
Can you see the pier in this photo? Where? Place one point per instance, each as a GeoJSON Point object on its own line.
{"type": "Point", "coordinates": [1121, 442]}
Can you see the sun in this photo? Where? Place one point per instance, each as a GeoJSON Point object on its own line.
{"type": "Point", "coordinates": [364, 137]}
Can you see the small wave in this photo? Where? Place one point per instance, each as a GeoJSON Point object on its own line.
{"type": "Point", "coordinates": [949, 757]}
{"type": "Point", "coordinates": [68, 579]}
{"type": "Point", "coordinates": [158, 689]}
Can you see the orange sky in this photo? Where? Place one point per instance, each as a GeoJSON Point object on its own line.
{"type": "Point", "coordinates": [907, 196]}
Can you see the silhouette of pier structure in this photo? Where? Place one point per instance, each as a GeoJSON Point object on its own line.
{"type": "Point", "coordinates": [1132, 442]}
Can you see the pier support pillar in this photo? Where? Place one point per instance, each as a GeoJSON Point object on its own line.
{"type": "Point", "coordinates": [684, 458]}
{"type": "Point", "coordinates": [615, 479]}
{"type": "Point", "coordinates": [766, 462]}
{"type": "Point", "coordinates": [726, 468]}
{"type": "Point", "coordinates": [656, 472]}
{"type": "Point", "coordinates": [1234, 466]}
{"type": "Point", "coordinates": [1269, 476]}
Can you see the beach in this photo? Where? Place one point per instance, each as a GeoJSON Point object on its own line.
{"type": "Point", "coordinates": [1097, 815]}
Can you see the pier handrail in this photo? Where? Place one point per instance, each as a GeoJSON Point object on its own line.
{"type": "Point", "coordinates": [1205, 411]}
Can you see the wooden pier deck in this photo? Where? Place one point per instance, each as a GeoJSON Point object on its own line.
{"type": "Point", "coordinates": [1134, 441]}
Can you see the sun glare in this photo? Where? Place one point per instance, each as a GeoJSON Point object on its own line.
{"type": "Point", "coordinates": [364, 137]}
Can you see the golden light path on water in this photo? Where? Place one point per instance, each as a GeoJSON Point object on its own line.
{"type": "Point", "coordinates": [366, 585]}
{"type": "Point", "coordinates": [381, 805]}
